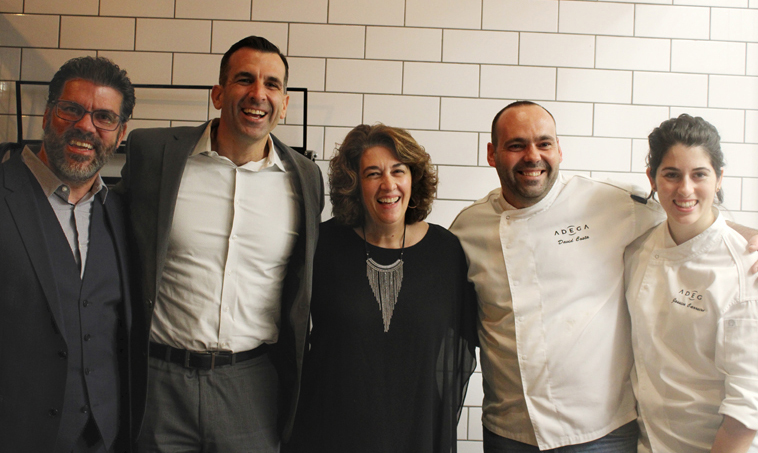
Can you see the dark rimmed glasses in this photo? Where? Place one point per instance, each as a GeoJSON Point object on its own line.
{"type": "Point", "coordinates": [73, 112]}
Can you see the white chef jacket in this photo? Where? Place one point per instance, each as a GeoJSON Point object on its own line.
{"type": "Point", "coordinates": [554, 328]}
{"type": "Point", "coordinates": [694, 312]}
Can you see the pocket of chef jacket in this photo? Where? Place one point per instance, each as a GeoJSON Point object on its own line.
{"type": "Point", "coordinates": [741, 347]}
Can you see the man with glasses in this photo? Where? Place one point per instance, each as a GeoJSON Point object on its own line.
{"type": "Point", "coordinates": [65, 310]}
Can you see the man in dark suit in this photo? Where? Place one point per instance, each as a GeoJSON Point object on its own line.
{"type": "Point", "coordinates": [64, 293]}
{"type": "Point", "coordinates": [225, 218]}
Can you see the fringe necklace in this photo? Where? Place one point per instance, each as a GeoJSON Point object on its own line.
{"type": "Point", "coordinates": [385, 280]}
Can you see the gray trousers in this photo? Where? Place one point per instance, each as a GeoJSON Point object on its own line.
{"type": "Point", "coordinates": [228, 409]}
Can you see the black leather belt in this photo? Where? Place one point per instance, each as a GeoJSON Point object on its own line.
{"type": "Point", "coordinates": [203, 360]}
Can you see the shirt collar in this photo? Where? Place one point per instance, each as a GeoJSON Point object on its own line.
{"type": "Point", "coordinates": [51, 184]}
{"type": "Point", "coordinates": [205, 145]}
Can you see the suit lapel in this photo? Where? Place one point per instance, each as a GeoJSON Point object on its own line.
{"type": "Point", "coordinates": [23, 206]}
{"type": "Point", "coordinates": [114, 215]}
{"type": "Point", "coordinates": [175, 154]}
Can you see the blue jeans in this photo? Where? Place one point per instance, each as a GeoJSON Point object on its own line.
{"type": "Point", "coordinates": [622, 440]}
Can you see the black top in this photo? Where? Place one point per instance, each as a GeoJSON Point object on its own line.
{"type": "Point", "coordinates": [366, 390]}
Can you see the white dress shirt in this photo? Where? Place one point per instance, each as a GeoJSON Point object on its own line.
{"type": "Point", "coordinates": [554, 328]}
{"type": "Point", "coordinates": [694, 312]}
{"type": "Point", "coordinates": [233, 230]}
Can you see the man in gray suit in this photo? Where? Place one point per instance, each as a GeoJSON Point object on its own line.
{"type": "Point", "coordinates": [225, 220]}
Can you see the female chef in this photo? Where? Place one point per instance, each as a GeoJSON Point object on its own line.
{"type": "Point", "coordinates": [693, 306]}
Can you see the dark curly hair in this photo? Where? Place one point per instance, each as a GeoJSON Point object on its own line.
{"type": "Point", "coordinates": [344, 172]}
{"type": "Point", "coordinates": [688, 131]}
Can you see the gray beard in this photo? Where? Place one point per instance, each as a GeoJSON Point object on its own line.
{"type": "Point", "coordinates": [79, 171]}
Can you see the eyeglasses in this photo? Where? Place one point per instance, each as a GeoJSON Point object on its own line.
{"type": "Point", "coordinates": [73, 112]}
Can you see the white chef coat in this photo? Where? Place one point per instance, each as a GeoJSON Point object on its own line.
{"type": "Point", "coordinates": [554, 328]}
{"type": "Point", "coordinates": [694, 312]}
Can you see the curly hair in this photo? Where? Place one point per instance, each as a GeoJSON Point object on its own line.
{"type": "Point", "coordinates": [344, 172]}
{"type": "Point", "coordinates": [688, 131]}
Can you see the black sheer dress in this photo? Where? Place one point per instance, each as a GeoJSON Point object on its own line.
{"type": "Point", "coordinates": [401, 391]}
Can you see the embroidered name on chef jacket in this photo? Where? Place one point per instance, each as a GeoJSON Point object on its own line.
{"type": "Point", "coordinates": [689, 299]}
{"type": "Point", "coordinates": [571, 234]}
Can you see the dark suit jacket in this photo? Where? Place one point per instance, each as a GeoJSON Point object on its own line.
{"type": "Point", "coordinates": [32, 347]}
{"type": "Point", "coordinates": [155, 162]}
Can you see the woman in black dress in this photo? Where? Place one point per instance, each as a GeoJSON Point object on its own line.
{"type": "Point", "coordinates": [392, 343]}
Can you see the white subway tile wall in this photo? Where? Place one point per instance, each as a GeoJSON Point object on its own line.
{"type": "Point", "coordinates": [226, 33]}
{"type": "Point", "coordinates": [734, 24]}
{"type": "Point", "coordinates": [195, 69]}
{"type": "Point", "coordinates": [608, 70]}
{"type": "Point", "coordinates": [69, 7]}
{"type": "Point", "coordinates": [368, 12]}
{"type": "Point", "coordinates": [12, 6]}
{"type": "Point", "coordinates": [752, 59]}
{"type": "Point", "coordinates": [136, 8]}
{"type": "Point", "coordinates": [520, 15]}
{"type": "Point", "coordinates": [364, 76]}
{"type": "Point", "coordinates": [627, 121]}
{"type": "Point", "coordinates": [40, 64]}
{"type": "Point", "coordinates": [714, 57]}
{"type": "Point", "coordinates": [173, 35]}
{"type": "Point", "coordinates": [481, 47]}
{"type": "Point", "coordinates": [441, 79]}
{"type": "Point", "coordinates": [733, 92]}
{"type": "Point", "coordinates": [518, 82]}
{"type": "Point", "coordinates": [113, 33]}
{"type": "Point", "coordinates": [557, 50]}
{"type": "Point", "coordinates": [203, 9]}
{"type": "Point", "coordinates": [681, 22]}
{"type": "Point", "coordinates": [28, 30]}
{"type": "Point", "coordinates": [10, 63]}
{"type": "Point", "coordinates": [642, 54]}
{"type": "Point", "coordinates": [407, 44]}
{"type": "Point", "coordinates": [290, 10]}
{"type": "Point", "coordinates": [596, 18]}
{"type": "Point", "coordinates": [143, 67]}
{"type": "Point", "coordinates": [594, 85]}
{"type": "Point", "coordinates": [751, 126]}
{"type": "Point", "coordinates": [666, 88]}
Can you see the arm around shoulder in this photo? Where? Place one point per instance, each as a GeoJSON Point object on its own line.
{"type": "Point", "coordinates": [751, 236]}
{"type": "Point", "coordinates": [732, 437]}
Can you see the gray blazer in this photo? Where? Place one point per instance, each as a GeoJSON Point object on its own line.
{"type": "Point", "coordinates": [155, 161]}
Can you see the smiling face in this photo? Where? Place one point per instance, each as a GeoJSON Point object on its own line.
{"type": "Point", "coordinates": [686, 184]}
{"type": "Point", "coordinates": [527, 154]}
{"type": "Point", "coordinates": [252, 100]}
{"type": "Point", "coordinates": [385, 188]}
{"type": "Point", "coordinates": [76, 151]}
